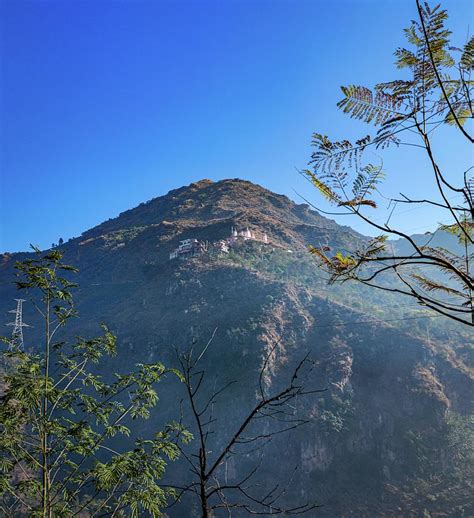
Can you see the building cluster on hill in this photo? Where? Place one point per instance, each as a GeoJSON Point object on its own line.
{"type": "Point", "coordinates": [191, 247]}
{"type": "Point", "coordinates": [246, 234]}
{"type": "Point", "coordinates": [188, 248]}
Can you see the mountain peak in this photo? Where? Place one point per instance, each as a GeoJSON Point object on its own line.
{"type": "Point", "coordinates": [208, 210]}
{"type": "Point", "coordinates": [206, 200]}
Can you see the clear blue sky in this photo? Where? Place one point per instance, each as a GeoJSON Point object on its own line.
{"type": "Point", "coordinates": [105, 104]}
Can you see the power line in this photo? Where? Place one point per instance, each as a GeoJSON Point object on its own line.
{"type": "Point", "coordinates": [419, 207]}
{"type": "Point", "coordinates": [18, 327]}
{"type": "Point", "coordinates": [16, 342]}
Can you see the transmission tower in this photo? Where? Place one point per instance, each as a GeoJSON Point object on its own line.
{"type": "Point", "coordinates": [16, 342]}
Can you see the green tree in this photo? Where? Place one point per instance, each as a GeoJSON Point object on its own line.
{"type": "Point", "coordinates": [58, 418]}
{"type": "Point", "coordinates": [408, 111]}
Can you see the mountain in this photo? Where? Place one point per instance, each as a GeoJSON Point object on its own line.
{"type": "Point", "coordinates": [383, 438]}
{"type": "Point", "coordinates": [437, 239]}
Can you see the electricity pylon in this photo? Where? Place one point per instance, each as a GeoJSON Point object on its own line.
{"type": "Point", "coordinates": [16, 342]}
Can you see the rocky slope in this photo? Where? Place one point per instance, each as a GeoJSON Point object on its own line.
{"type": "Point", "coordinates": [381, 438]}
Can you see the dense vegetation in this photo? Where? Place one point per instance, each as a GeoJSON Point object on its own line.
{"type": "Point", "coordinates": [61, 423]}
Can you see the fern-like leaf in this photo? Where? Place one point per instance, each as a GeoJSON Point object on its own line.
{"type": "Point", "coordinates": [363, 104]}
{"type": "Point", "coordinates": [357, 202]}
{"type": "Point", "coordinates": [467, 57]}
{"type": "Point", "coordinates": [323, 188]}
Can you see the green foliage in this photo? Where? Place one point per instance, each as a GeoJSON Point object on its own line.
{"type": "Point", "coordinates": [437, 93]}
{"type": "Point", "coordinates": [389, 105]}
{"type": "Point", "coordinates": [57, 417]}
{"type": "Point", "coordinates": [336, 413]}
{"type": "Point", "coordinates": [463, 230]}
{"type": "Point", "coordinates": [361, 103]}
{"type": "Point", "coordinates": [349, 266]}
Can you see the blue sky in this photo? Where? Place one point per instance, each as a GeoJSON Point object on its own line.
{"type": "Point", "coordinates": [105, 104]}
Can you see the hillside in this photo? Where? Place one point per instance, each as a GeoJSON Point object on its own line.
{"type": "Point", "coordinates": [398, 382]}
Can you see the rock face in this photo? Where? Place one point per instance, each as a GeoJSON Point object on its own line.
{"type": "Point", "coordinates": [381, 440]}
